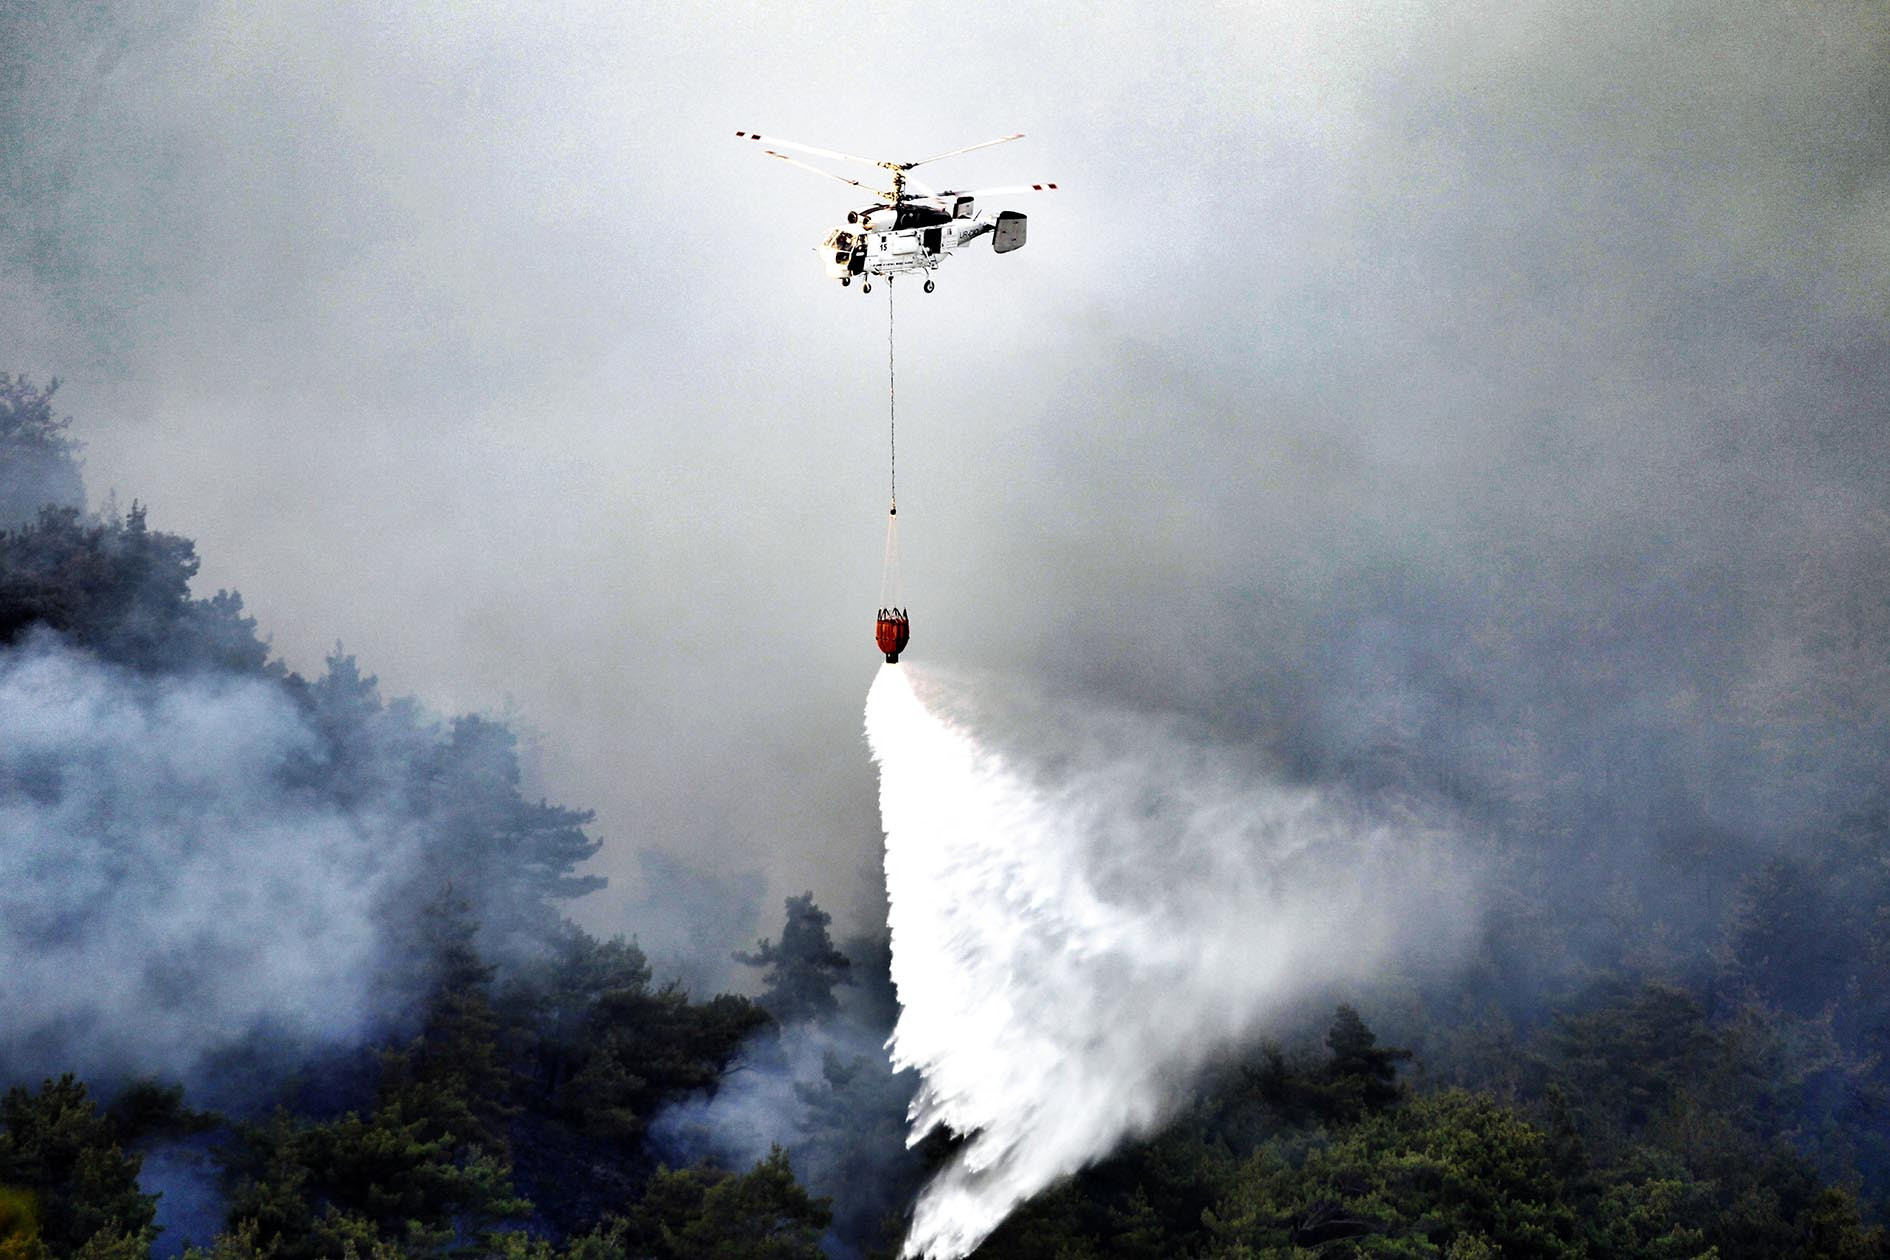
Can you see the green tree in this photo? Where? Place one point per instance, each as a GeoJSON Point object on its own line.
{"type": "Point", "coordinates": [643, 1047]}
{"type": "Point", "coordinates": [1649, 1208]}
{"type": "Point", "coordinates": [122, 590]}
{"type": "Point", "coordinates": [804, 968]}
{"type": "Point", "coordinates": [240, 1244]}
{"type": "Point", "coordinates": [1791, 944]}
{"type": "Point", "coordinates": [37, 468]}
{"type": "Point", "coordinates": [706, 1214]}
{"type": "Point", "coordinates": [1359, 1078]}
{"type": "Point", "coordinates": [1624, 1061]}
{"type": "Point", "coordinates": [427, 1166]}
{"type": "Point", "coordinates": [451, 1075]}
{"type": "Point", "coordinates": [19, 1225]}
{"type": "Point", "coordinates": [1059, 1224]}
{"type": "Point", "coordinates": [548, 1005]}
{"type": "Point", "coordinates": [147, 1110]}
{"type": "Point", "coordinates": [513, 859]}
{"type": "Point", "coordinates": [1834, 1231]}
{"type": "Point", "coordinates": [59, 1148]}
{"type": "Point", "coordinates": [1362, 1075]}
{"type": "Point", "coordinates": [364, 1181]}
{"type": "Point", "coordinates": [1409, 1181]}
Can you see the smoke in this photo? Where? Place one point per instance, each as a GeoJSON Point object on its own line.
{"type": "Point", "coordinates": [191, 1208]}
{"type": "Point", "coordinates": [756, 1108]}
{"type": "Point", "coordinates": [688, 919]}
{"type": "Point", "coordinates": [165, 893]}
{"type": "Point", "coordinates": [825, 1092]}
{"type": "Point", "coordinates": [1083, 919]}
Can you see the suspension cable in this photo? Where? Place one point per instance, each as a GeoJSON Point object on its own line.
{"type": "Point", "coordinates": [890, 593]}
{"type": "Point", "coordinates": [892, 401]}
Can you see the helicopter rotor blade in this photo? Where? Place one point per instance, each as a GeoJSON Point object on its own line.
{"type": "Point", "coordinates": [967, 149]}
{"type": "Point", "coordinates": [829, 174]}
{"type": "Point", "coordinates": [924, 189]}
{"type": "Point", "coordinates": [804, 148]}
{"type": "Point", "coordinates": [1005, 191]}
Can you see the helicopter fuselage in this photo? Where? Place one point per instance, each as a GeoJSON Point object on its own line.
{"type": "Point", "coordinates": [905, 232]}
{"type": "Point", "coordinates": [894, 240]}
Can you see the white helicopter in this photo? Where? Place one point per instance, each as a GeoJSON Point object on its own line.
{"type": "Point", "coordinates": [904, 231]}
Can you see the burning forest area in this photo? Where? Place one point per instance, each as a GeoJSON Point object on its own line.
{"type": "Point", "coordinates": [1370, 740]}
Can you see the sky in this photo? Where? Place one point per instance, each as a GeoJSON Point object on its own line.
{"type": "Point", "coordinates": [1503, 385]}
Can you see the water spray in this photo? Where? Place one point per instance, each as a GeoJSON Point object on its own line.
{"type": "Point", "coordinates": [1079, 931]}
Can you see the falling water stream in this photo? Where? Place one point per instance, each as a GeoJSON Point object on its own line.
{"type": "Point", "coordinates": [1075, 938]}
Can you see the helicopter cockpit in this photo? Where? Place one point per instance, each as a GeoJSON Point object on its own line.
{"type": "Point", "coordinates": [846, 253]}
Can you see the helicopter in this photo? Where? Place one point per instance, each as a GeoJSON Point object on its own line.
{"type": "Point", "coordinates": [907, 231]}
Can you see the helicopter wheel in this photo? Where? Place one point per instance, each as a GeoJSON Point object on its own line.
{"type": "Point", "coordinates": [867, 287]}
{"type": "Point", "coordinates": [929, 286]}
{"type": "Point", "coordinates": [845, 281]}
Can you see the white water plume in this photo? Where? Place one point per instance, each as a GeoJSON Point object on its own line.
{"type": "Point", "coordinates": [1079, 928]}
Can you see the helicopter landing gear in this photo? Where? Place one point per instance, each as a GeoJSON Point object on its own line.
{"type": "Point", "coordinates": [867, 287]}
{"type": "Point", "coordinates": [929, 286]}
{"type": "Point", "coordinates": [845, 281]}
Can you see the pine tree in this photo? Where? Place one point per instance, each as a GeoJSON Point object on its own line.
{"type": "Point", "coordinates": [804, 968]}
{"type": "Point", "coordinates": [1362, 1075]}
{"type": "Point", "coordinates": [59, 1148]}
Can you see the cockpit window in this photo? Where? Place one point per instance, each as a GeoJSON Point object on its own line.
{"type": "Point", "coordinates": [911, 216]}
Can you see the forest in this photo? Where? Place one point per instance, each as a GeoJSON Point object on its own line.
{"type": "Point", "coordinates": [474, 1075]}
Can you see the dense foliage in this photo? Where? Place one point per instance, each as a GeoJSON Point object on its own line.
{"type": "Point", "coordinates": [1640, 1136]}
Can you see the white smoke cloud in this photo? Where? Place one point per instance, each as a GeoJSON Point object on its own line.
{"type": "Point", "coordinates": [825, 1092]}
{"type": "Point", "coordinates": [1077, 929]}
{"type": "Point", "coordinates": [763, 1104]}
{"type": "Point", "coordinates": [164, 890]}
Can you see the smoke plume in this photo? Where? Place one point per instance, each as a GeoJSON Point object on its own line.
{"type": "Point", "coordinates": [1082, 921]}
{"type": "Point", "coordinates": [164, 893]}
{"type": "Point", "coordinates": [825, 1092]}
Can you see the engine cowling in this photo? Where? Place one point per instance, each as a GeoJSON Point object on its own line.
{"type": "Point", "coordinates": [878, 218]}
